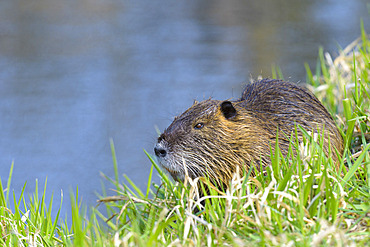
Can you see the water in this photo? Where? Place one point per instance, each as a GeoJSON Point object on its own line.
{"type": "Point", "coordinates": [75, 73]}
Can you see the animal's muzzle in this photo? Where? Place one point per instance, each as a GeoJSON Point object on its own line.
{"type": "Point", "coordinates": [160, 151]}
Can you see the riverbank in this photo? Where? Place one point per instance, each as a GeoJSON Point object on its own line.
{"type": "Point", "coordinates": [303, 200]}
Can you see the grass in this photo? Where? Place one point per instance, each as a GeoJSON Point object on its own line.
{"type": "Point", "coordinates": [301, 200]}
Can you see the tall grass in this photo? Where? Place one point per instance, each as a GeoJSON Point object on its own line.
{"type": "Point", "coordinates": [302, 199]}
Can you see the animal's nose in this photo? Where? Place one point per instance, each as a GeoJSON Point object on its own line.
{"type": "Point", "coordinates": [160, 151]}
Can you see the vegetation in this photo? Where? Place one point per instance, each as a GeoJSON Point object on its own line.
{"type": "Point", "coordinates": [301, 200]}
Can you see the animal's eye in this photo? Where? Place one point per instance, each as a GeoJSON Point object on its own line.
{"type": "Point", "coordinates": [198, 126]}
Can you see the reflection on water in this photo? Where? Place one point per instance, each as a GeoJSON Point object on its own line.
{"type": "Point", "coordinates": [75, 73]}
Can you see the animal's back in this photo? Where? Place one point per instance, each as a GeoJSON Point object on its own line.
{"type": "Point", "coordinates": [284, 105]}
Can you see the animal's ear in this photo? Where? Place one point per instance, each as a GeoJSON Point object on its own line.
{"type": "Point", "coordinates": [228, 110]}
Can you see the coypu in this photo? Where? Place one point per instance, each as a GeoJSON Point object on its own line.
{"type": "Point", "coordinates": [212, 137]}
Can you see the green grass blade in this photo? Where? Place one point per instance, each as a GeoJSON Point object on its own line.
{"type": "Point", "coordinates": [355, 166]}
{"type": "Point", "coordinates": [9, 181]}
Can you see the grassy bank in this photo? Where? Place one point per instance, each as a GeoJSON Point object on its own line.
{"type": "Point", "coordinates": [301, 200]}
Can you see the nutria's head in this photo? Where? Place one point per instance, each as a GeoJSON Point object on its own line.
{"type": "Point", "coordinates": [209, 139]}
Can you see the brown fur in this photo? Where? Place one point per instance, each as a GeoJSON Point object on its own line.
{"type": "Point", "coordinates": [213, 137]}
